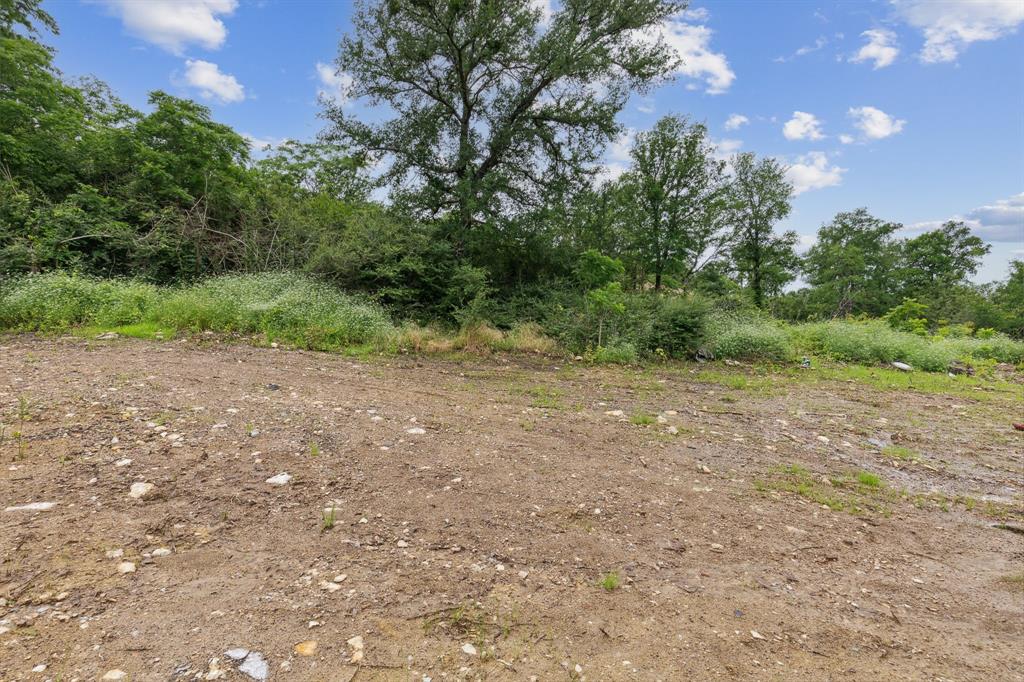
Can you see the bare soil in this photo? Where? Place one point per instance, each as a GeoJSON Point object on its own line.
{"type": "Point", "coordinates": [526, 533]}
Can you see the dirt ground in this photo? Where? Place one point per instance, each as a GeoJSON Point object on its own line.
{"type": "Point", "coordinates": [496, 519]}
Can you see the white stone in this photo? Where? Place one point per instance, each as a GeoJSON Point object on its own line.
{"type": "Point", "coordinates": [415, 431]}
{"type": "Point", "coordinates": [255, 666]}
{"type": "Point", "coordinates": [122, 462]}
{"type": "Point", "coordinates": [32, 506]}
{"type": "Point", "coordinates": [113, 675]}
{"type": "Point", "coordinates": [161, 551]}
{"type": "Point", "coordinates": [469, 649]}
{"type": "Point", "coordinates": [280, 479]}
{"type": "Point", "coordinates": [126, 567]}
{"type": "Point", "coordinates": [139, 491]}
{"type": "Point", "coordinates": [236, 654]}
{"type": "Point", "coordinates": [356, 645]}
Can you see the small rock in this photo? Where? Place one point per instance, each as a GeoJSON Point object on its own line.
{"type": "Point", "coordinates": [280, 479]}
{"type": "Point", "coordinates": [236, 654]}
{"type": "Point", "coordinates": [122, 462]}
{"type": "Point", "coordinates": [39, 668]}
{"type": "Point", "coordinates": [106, 336]}
{"type": "Point", "coordinates": [214, 672]}
{"type": "Point", "coordinates": [415, 431]}
{"type": "Point", "coordinates": [672, 430]}
{"type": "Point", "coordinates": [715, 547]}
{"type": "Point", "coordinates": [795, 531]}
{"type": "Point", "coordinates": [756, 635]}
{"type": "Point", "coordinates": [902, 366]}
{"type": "Point", "coordinates": [356, 645]}
{"type": "Point", "coordinates": [115, 674]}
{"type": "Point", "coordinates": [615, 413]}
{"type": "Point", "coordinates": [32, 506]}
{"type": "Point", "coordinates": [469, 649]}
{"type": "Point", "coordinates": [307, 648]}
{"type": "Point", "coordinates": [161, 551]}
{"type": "Point", "coordinates": [255, 666]}
{"type": "Point", "coordinates": [126, 567]}
{"type": "Point", "coordinates": [139, 491]}
{"type": "Point", "coordinates": [341, 577]}
{"type": "Point", "coordinates": [329, 586]}
{"type": "Point", "coordinates": [524, 574]}
{"type": "Point", "coordinates": [824, 439]}
{"type": "Point", "coordinates": [402, 543]}
{"type": "Point", "coordinates": [115, 553]}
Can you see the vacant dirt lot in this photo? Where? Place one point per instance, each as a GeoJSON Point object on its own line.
{"type": "Point", "coordinates": [496, 519]}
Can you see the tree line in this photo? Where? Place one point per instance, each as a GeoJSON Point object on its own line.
{"type": "Point", "coordinates": [491, 156]}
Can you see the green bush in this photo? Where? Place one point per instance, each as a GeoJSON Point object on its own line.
{"type": "Point", "coordinates": [677, 328]}
{"type": "Point", "coordinates": [874, 341]}
{"type": "Point", "coordinates": [622, 353]}
{"type": "Point", "coordinates": [293, 308]}
{"type": "Point", "coordinates": [749, 338]}
{"type": "Point", "coordinates": [284, 306]}
{"type": "Point", "coordinates": [58, 300]}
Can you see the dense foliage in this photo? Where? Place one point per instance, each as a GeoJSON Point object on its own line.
{"type": "Point", "coordinates": [496, 218]}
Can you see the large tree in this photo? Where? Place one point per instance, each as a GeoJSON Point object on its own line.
{"type": "Point", "coordinates": [493, 105]}
{"type": "Point", "coordinates": [676, 199]}
{"type": "Point", "coordinates": [850, 266]}
{"type": "Point", "coordinates": [764, 260]}
{"type": "Point", "coordinates": [938, 260]}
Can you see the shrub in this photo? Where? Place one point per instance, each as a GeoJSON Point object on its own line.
{"type": "Point", "coordinates": [677, 327]}
{"type": "Point", "coordinates": [623, 353]}
{"type": "Point", "coordinates": [58, 300]}
{"type": "Point", "coordinates": [749, 338]}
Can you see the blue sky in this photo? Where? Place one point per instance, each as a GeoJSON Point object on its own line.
{"type": "Point", "coordinates": [912, 108]}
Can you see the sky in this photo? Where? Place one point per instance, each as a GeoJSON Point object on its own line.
{"type": "Point", "coordinates": [913, 109]}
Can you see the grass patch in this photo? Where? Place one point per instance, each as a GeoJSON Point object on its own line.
{"type": "Point", "coordinates": [610, 581]}
{"type": "Point", "coordinates": [327, 519]}
{"type": "Point", "coordinates": [643, 419]}
{"type": "Point", "coordinates": [860, 493]}
{"type": "Point", "coordinates": [900, 452]}
{"type": "Point", "coordinates": [866, 478]}
{"type": "Point", "coordinates": [1015, 582]}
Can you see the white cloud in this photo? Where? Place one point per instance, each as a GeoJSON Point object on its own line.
{"type": "Point", "coordinates": [1002, 221]}
{"type": "Point", "coordinates": [735, 121]}
{"type": "Point", "coordinates": [813, 171]}
{"type": "Point", "coordinates": [881, 48]}
{"type": "Point", "coordinates": [874, 123]}
{"type": "Point", "coordinates": [646, 106]}
{"type": "Point", "coordinates": [802, 126]}
{"type": "Point", "coordinates": [696, 14]}
{"type": "Point", "coordinates": [258, 144]}
{"type": "Point", "coordinates": [724, 149]}
{"type": "Point", "coordinates": [692, 45]}
{"type": "Point", "coordinates": [212, 83]}
{"type": "Point", "coordinates": [821, 42]}
{"type": "Point", "coordinates": [334, 84]}
{"type": "Point", "coordinates": [951, 25]}
{"type": "Point", "coordinates": [846, 139]}
{"type": "Point", "coordinates": [173, 24]}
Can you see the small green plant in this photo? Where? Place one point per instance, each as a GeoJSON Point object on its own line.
{"type": "Point", "coordinates": [642, 419]}
{"type": "Point", "coordinates": [24, 409]}
{"type": "Point", "coordinates": [900, 452]}
{"type": "Point", "coordinates": [610, 581]}
{"type": "Point", "coordinates": [314, 450]}
{"type": "Point", "coordinates": [327, 517]}
{"type": "Point", "coordinates": [869, 480]}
